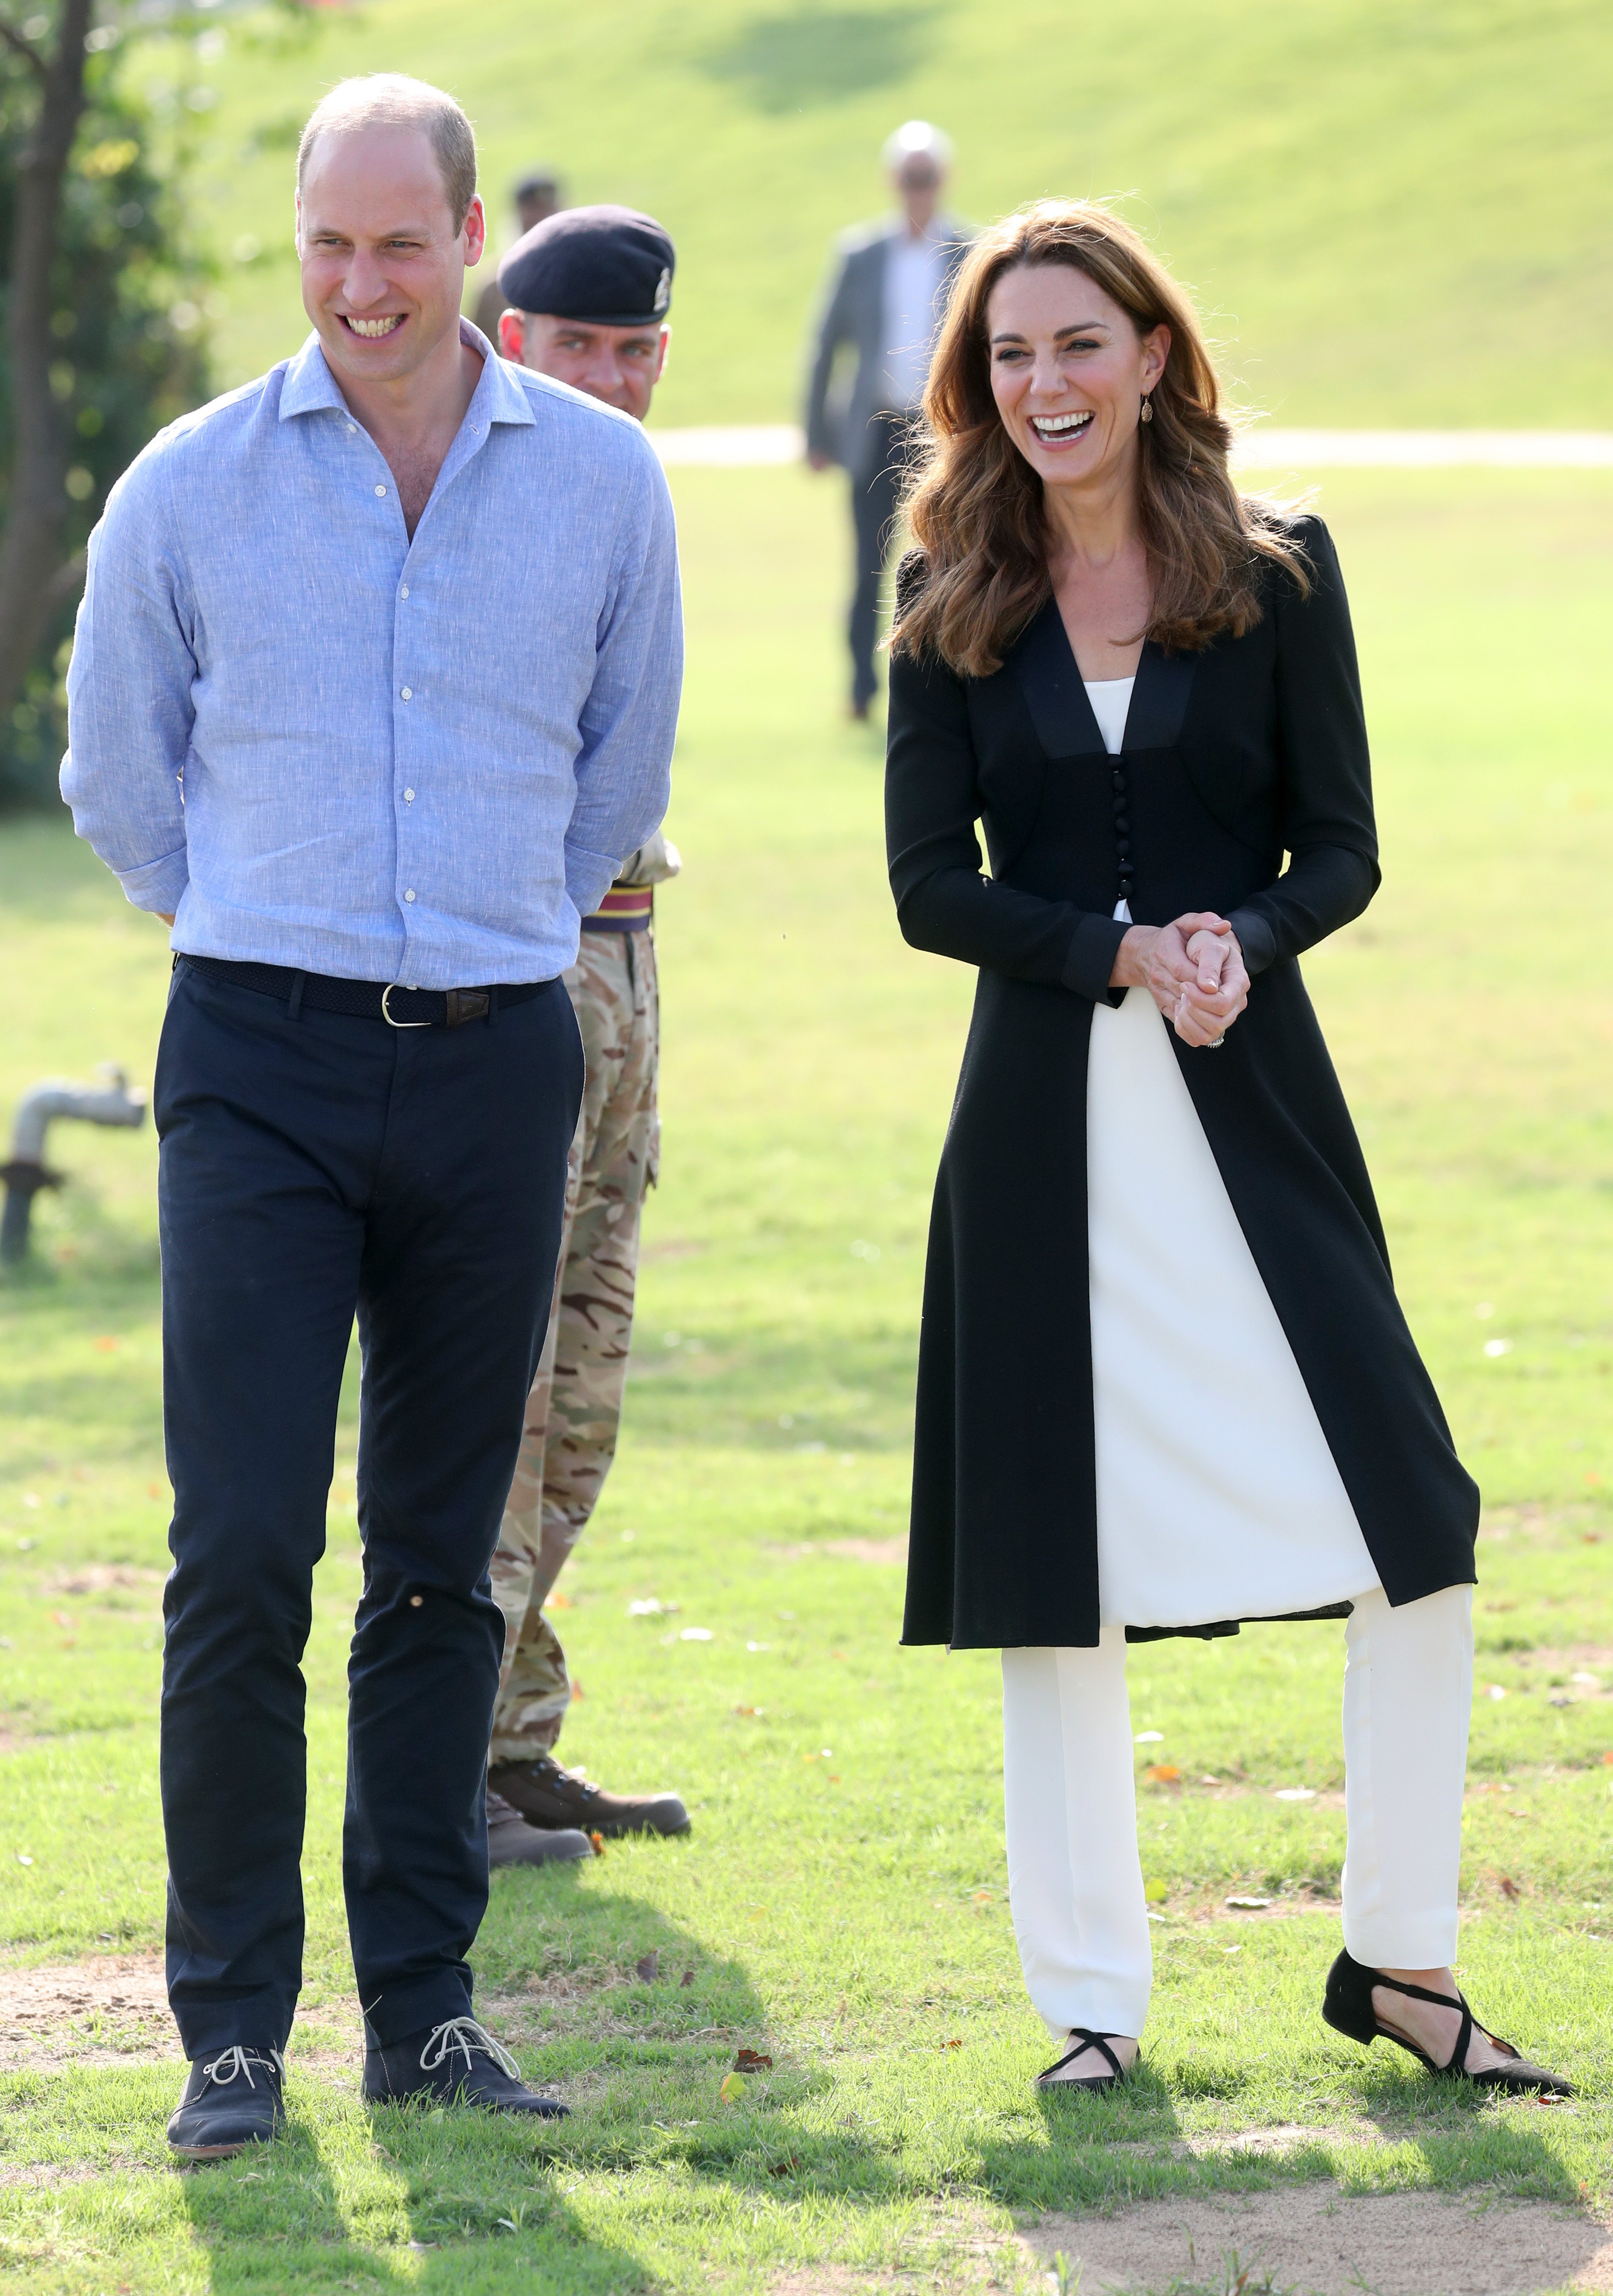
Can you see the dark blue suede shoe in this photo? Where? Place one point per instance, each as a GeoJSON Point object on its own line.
{"type": "Point", "coordinates": [455, 2062]}
{"type": "Point", "coordinates": [230, 2101]}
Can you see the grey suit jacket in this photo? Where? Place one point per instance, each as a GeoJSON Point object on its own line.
{"type": "Point", "coordinates": [852, 311]}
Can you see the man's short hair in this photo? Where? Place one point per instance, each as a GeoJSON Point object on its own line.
{"type": "Point", "coordinates": [917, 139]}
{"type": "Point", "coordinates": [393, 99]}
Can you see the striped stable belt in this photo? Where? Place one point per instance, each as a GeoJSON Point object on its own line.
{"type": "Point", "coordinates": [625, 908]}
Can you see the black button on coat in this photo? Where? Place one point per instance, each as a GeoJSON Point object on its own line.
{"type": "Point", "coordinates": [1251, 749]}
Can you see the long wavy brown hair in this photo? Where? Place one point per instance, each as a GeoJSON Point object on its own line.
{"type": "Point", "coordinates": [975, 507]}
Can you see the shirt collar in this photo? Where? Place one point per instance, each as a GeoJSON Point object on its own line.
{"type": "Point", "coordinates": [498, 398]}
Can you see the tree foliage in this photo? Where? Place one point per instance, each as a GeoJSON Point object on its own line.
{"type": "Point", "coordinates": [126, 343]}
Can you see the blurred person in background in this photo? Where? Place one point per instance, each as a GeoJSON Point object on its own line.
{"type": "Point", "coordinates": [583, 299]}
{"type": "Point", "coordinates": [1164, 1385]}
{"type": "Point", "coordinates": [538, 194]}
{"type": "Point", "coordinates": [313, 712]}
{"type": "Point", "coordinates": [883, 302]}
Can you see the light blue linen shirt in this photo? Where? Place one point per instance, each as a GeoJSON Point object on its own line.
{"type": "Point", "coordinates": [325, 746]}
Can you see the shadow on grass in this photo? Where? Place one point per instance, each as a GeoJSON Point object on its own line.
{"type": "Point", "coordinates": [439, 2198]}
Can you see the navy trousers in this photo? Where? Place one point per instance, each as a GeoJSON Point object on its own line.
{"type": "Point", "coordinates": [312, 1168]}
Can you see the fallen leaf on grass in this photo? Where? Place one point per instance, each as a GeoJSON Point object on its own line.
{"type": "Point", "coordinates": [1163, 1773]}
{"type": "Point", "coordinates": [1156, 1892]}
{"type": "Point", "coordinates": [61, 1619]}
{"type": "Point", "coordinates": [755, 1712]}
{"type": "Point", "coordinates": [556, 1601]}
{"type": "Point", "coordinates": [752, 2061]}
{"type": "Point", "coordinates": [785, 2167]}
{"type": "Point", "coordinates": [598, 1840]}
{"type": "Point", "coordinates": [687, 1978]}
{"type": "Point", "coordinates": [953, 2045]}
{"type": "Point", "coordinates": [1248, 1905]}
{"type": "Point", "coordinates": [1509, 1887]}
{"type": "Point", "coordinates": [734, 2087]}
{"type": "Point", "coordinates": [649, 1966]}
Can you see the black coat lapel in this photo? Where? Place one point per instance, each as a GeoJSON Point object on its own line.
{"type": "Point", "coordinates": [1045, 669]}
{"type": "Point", "coordinates": [1158, 702]}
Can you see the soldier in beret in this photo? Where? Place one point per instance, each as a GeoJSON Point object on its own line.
{"type": "Point", "coordinates": [588, 292]}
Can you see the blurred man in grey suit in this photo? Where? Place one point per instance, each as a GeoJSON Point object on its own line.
{"type": "Point", "coordinates": [886, 294]}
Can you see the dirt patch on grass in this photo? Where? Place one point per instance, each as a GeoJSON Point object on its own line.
{"type": "Point", "coordinates": [101, 1579]}
{"type": "Point", "coordinates": [27, 2174]}
{"type": "Point", "coordinates": [887, 1554]}
{"type": "Point", "coordinates": [1326, 2243]}
{"type": "Point", "coordinates": [113, 2010]}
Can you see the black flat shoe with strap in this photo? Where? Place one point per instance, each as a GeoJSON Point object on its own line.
{"type": "Point", "coordinates": [1348, 2007]}
{"type": "Point", "coordinates": [1092, 2083]}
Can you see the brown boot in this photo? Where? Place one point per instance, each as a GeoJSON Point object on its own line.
{"type": "Point", "coordinates": [547, 1795]}
{"type": "Point", "coordinates": [511, 1841]}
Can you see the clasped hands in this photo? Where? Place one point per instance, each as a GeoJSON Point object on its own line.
{"type": "Point", "coordinates": [1192, 968]}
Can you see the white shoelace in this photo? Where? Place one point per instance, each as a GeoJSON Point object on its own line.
{"type": "Point", "coordinates": [465, 2034]}
{"type": "Point", "coordinates": [241, 2062]}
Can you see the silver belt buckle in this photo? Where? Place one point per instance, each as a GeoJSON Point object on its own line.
{"type": "Point", "coordinates": [386, 1014]}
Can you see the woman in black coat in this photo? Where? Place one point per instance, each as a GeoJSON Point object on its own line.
{"type": "Point", "coordinates": [1164, 1381]}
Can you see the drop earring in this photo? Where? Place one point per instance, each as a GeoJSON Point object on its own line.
{"type": "Point", "coordinates": [1145, 412]}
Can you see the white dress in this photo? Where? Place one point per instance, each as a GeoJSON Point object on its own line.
{"type": "Point", "coordinates": [1218, 1495]}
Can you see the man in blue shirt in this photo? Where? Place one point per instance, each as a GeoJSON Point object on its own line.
{"type": "Point", "coordinates": [375, 766]}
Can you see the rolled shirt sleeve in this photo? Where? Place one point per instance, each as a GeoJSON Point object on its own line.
{"type": "Point", "coordinates": [129, 695]}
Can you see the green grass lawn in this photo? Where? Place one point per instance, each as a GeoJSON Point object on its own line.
{"type": "Point", "coordinates": [1394, 213]}
{"type": "Point", "coordinates": [840, 1904]}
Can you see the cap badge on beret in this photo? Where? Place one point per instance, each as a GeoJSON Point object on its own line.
{"type": "Point", "coordinates": [663, 290]}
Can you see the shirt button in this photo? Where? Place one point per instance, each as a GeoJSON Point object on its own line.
{"type": "Point", "coordinates": [408, 892]}
{"type": "Point", "coordinates": [381, 490]}
{"type": "Point", "coordinates": [408, 796]}
{"type": "Point", "coordinates": [408, 694]}
{"type": "Point", "coordinates": [405, 591]}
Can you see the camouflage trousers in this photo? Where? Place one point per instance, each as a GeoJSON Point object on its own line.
{"type": "Point", "coordinates": [575, 1403]}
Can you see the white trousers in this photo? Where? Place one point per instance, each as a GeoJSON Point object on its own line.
{"type": "Point", "coordinates": [1075, 1882]}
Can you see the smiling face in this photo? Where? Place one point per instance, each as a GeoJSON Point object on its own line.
{"type": "Point", "coordinates": [620, 364]}
{"type": "Point", "coordinates": [1069, 373]}
{"type": "Point", "coordinates": [383, 265]}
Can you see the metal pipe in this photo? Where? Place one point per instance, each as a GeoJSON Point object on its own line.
{"type": "Point", "coordinates": [27, 1172]}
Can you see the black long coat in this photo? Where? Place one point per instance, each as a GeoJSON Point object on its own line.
{"type": "Point", "coordinates": [1253, 748]}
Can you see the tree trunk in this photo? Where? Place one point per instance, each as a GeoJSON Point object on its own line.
{"type": "Point", "coordinates": [32, 554]}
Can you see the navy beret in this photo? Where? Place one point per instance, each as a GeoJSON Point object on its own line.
{"type": "Point", "coordinates": [611, 265]}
